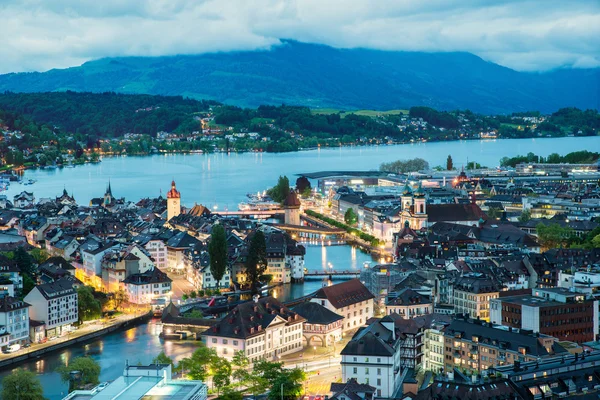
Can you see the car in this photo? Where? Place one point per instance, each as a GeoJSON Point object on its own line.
{"type": "Point", "coordinates": [27, 345]}
{"type": "Point", "coordinates": [102, 386]}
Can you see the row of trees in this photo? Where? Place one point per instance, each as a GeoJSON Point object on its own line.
{"type": "Point", "coordinates": [350, 229]}
{"type": "Point", "coordinates": [577, 157]}
{"type": "Point", "coordinates": [404, 166]}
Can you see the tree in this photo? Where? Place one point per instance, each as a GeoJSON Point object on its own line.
{"type": "Point", "coordinates": [403, 166]}
{"type": "Point", "coordinates": [302, 184]}
{"type": "Point", "coordinates": [494, 212]}
{"type": "Point", "coordinates": [553, 235]}
{"type": "Point", "coordinates": [89, 308]}
{"type": "Point", "coordinates": [289, 381]}
{"type": "Point", "coordinates": [221, 371]}
{"type": "Point", "coordinates": [120, 297]}
{"type": "Point", "coordinates": [596, 242]}
{"type": "Point", "coordinates": [449, 163]}
{"type": "Point", "coordinates": [217, 251]}
{"type": "Point", "coordinates": [240, 360]}
{"type": "Point", "coordinates": [24, 261]}
{"type": "Point", "coordinates": [198, 364]}
{"type": "Point", "coordinates": [256, 262]}
{"type": "Point", "coordinates": [525, 216]}
{"type": "Point", "coordinates": [21, 384]}
{"type": "Point", "coordinates": [28, 284]}
{"type": "Point", "coordinates": [350, 217]}
{"type": "Point", "coordinates": [162, 358]}
{"type": "Point", "coordinates": [194, 314]}
{"type": "Point", "coordinates": [280, 191]}
{"type": "Point", "coordinates": [39, 255]}
{"type": "Point", "coordinates": [88, 368]}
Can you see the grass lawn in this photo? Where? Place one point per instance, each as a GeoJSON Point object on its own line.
{"type": "Point", "coordinates": [367, 113]}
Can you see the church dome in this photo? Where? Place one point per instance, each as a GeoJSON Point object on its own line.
{"type": "Point", "coordinates": [406, 191]}
{"type": "Point", "coordinates": [420, 192]}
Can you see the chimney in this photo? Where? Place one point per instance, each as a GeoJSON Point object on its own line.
{"type": "Point", "coordinates": [517, 366]}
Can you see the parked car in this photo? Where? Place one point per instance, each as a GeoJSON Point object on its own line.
{"type": "Point", "coordinates": [102, 386]}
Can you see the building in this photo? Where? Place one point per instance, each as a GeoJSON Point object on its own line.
{"type": "Point", "coordinates": [55, 304]}
{"type": "Point", "coordinates": [177, 245]}
{"type": "Point", "coordinates": [148, 287]}
{"type": "Point", "coordinates": [14, 321]}
{"type": "Point", "coordinates": [24, 200]}
{"type": "Point", "coordinates": [409, 303]}
{"type": "Point", "coordinates": [573, 376]}
{"type": "Point", "coordinates": [92, 254]}
{"type": "Point", "coordinates": [120, 263]}
{"type": "Point", "coordinates": [11, 272]}
{"type": "Point", "coordinates": [557, 312]}
{"type": "Point", "coordinates": [471, 294]}
{"type": "Point", "coordinates": [322, 327]}
{"type": "Point", "coordinates": [291, 205]}
{"type": "Point", "coordinates": [351, 390]}
{"type": "Point", "coordinates": [152, 381]}
{"type": "Point", "coordinates": [262, 329]}
{"type": "Point", "coordinates": [173, 202]}
{"type": "Point", "coordinates": [351, 299]}
{"type": "Point", "coordinates": [476, 345]}
{"type": "Point", "coordinates": [372, 357]}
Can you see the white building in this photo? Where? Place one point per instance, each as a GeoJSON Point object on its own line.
{"type": "Point", "coordinates": [372, 357]}
{"type": "Point", "coordinates": [9, 271]}
{"type": "Point", "coordinates": [152, 381]}
{"type": "Point", "coordinates": [158, 250]}
{"type": "Point", "coordinates": [55, 304]}
{"type": "Point", "coordinates": [24, 200]}
{"type": "Point", "coordinates": [14, 321]}
{"type": "Point", "coordinates": [91, 255]}
{"type": "Point", "coordinates": [147, 287]}
{"type": "Point", "coordinates": [262, 329]}
{"type": "Point", "coordinates": [351, 299]}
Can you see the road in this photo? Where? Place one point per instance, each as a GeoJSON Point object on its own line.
{"type": "Point", "coordinates": [179, 285]}
{"type": "Point", "coordinates": [87, 327]}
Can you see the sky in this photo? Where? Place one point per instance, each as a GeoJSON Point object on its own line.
{"type": "Point", "coordinates": [528, 35]}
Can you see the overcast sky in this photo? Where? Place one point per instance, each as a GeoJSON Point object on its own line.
{"type": "Point", "coordinates": [536, 35]}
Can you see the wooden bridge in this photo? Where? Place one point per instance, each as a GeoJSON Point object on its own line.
{"type": "Point", "coordinates": [251, 213]}
{"type": "Point", "coordinates": [332, 275]}
{"type": "Point", "coordinates": [309, 231]}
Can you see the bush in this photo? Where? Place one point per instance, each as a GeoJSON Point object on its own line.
{"type": "Point", "coordinates": [201, 293]}
{"type": "Point", "coordinates": [193, 294]}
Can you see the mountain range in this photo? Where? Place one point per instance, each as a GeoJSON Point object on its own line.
{"type": "Point", "coordinates": [319, 76]}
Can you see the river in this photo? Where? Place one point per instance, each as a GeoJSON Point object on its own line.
{"type": "Point", "coordinates": [223, 180]}
{"type": "Point", "coordinates": [142, 344]}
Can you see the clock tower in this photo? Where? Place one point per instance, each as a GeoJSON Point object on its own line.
{"type": "Point", "coordinates": [173, 202]}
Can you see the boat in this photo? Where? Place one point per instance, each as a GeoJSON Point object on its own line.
{"type": "Point", "coordinates": [259, 202]}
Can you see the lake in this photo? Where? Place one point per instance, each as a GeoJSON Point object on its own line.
{"type": "Point", "coordinates": [223, 180]}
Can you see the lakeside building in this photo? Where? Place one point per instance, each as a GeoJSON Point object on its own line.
{"type": "Point", "coordinates": [153, 381]}
{"type": "Point", "coordinates": [264, 329]}
{"type": "Point", "coordinates": [558, 312]}
{"type": "Point", "coordinates": [54, 304]}
{"type": "Point", "coordinates": [351, 299]}
{"type": "Point", "coordinates": [554, 169]}
{"type": "Point", "coordinates": [148, 287]}
{"type": "Point", "coordinates": [14, 322]}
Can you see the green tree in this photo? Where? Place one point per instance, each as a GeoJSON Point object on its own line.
{"type": "Point", "coordinates": [199, 363]}
{"type": "Point", "coordinates": [194, 314]}
{"type": "Point", "coordinates": [217, 251]}
{"type": "Point", "coordinates": [28, 284]}
{"type": "Point", "coordinates": [120, 297]}
{"type": "Point", "coordinates": [162, 358]}
{"type": "Point", "coordinates": [240, 360]}
{"type": "Point", "coordinates": [289, 382]}
{"type": "Point", "coordinates": [280, 191]}
{"type": "Point", "coordinates": [494, 212]}
{"type": "Point", "coordinates": [596, 242]}
{"type": "Point", "coordinates": [403, 166]}
{"type": "Point", "coordinates": [350, 217]}
{"type": "Point", "coordinates": [88, 368]}
{"type": "Point", "coordinates": [525, 216]}
{"type": "Point", "coordinates": [88, 306]}
{"type": "Point", "coordinates": [302, 184]}
{"type": "Point", "coordinates": [230, 394]}
{"type": "Point", "coordinates": [256, 262]}
{"type": "Point", "coordinates": [39, 255]}
{"type": "Point", "coordinates": [21, 384]}
{"type": "Point", "coordinates": [221, 371]}
{"type": "Point", "coordinates": [24, 261]}
{"type": "Point", "coordinates": [449, 163]}
{"type": "Point", "coordinates": [553, 235]}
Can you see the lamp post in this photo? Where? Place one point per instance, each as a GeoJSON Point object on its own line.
{"type": "Point", "coordinates": [282, 391]}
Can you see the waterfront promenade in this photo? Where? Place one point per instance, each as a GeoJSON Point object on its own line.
{"type": "Point", "coordinates": [87, 331]}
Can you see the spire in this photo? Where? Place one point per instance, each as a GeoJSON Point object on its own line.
{"type": "Point", "coordinates": [109, 189]}
{"type": "Point", "coordinates": [420, 192]}
{"type": "Point", "coordinates": [406, 190]}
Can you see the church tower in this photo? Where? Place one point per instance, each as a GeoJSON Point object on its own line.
{"type": "Point", "coordinates": [108, 196]}
{"type": "Point", "coordinates": [406, 198]}
{"type": "Point", "coordinates": [420, 203]}
{"type": "Point", "coordinates": [291, 205]}
{"type": "Point", "coordinates": [173, 202]}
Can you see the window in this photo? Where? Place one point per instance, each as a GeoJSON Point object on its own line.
{"type": "Point", "coordinates": [235, 342]}
{"type": "Point", "coordinates": [224, 341]}
{"type": "Point", "coordinates": [214, 340]}
{"type": "Point", "coordinates": [378, 382]}
{"type": "Point", "coordinates": [366, 371]}
{"type": "Point", "coordinates": [354, 370]}
{"type": "Point", "coordinates": [378, 371]}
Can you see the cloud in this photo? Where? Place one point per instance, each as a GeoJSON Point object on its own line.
{"type": "Point", "coordinates": [38, 35]}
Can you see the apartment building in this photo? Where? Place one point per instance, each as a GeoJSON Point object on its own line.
{"type": "Point", "coordinates": [262, 329]}
{"type": "Point", "coordinates": [558, 312]}
{"type": "Point", "coordinates": [14, 321]}
{"type": "Point", "coordinates": [351, 299]}
{"type": "Point", "coordinates": [147, 287]}
{"type": "Point", "coordinates": [409, 303]}
{"type": "Point", "coordinates": [55, 304]}
{"type": "Point", "coordinates": [476, 345]}
{"type": "Point", "coordinates": [471, 294]}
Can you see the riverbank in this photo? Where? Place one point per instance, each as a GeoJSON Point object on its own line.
{"type": "Point", "coordinates": [38, 350]}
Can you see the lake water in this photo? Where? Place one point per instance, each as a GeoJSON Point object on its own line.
{"type": "Point", "coordinates": [223, 180]}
